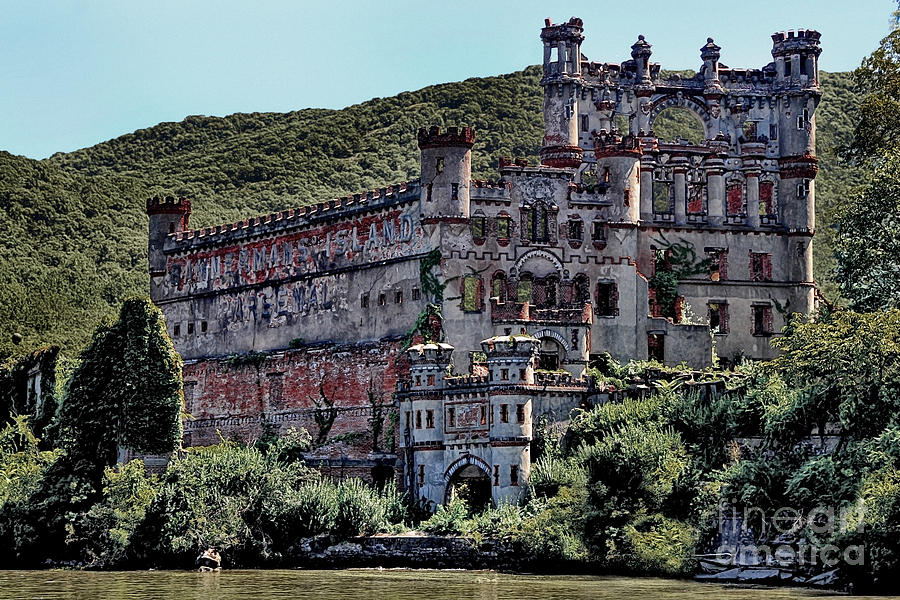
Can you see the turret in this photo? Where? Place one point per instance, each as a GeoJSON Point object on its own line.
{"type": "Point", "coordinates": [619, 168]}
{"type": "Point", "coordinates": [796, 57]}
{"type": "Point", "coordinates": [640, 53]}
{"type": "Point", "coordinates": [168, 215]}
{"type": "Point", "coordinates": [710, 54]}
{"type": "Point", "coordinates": [446, 163]}
{"type": "Point", "coordinates": [511, 358]}
{"type": "Point", "coordinates": [428, 366]}
{"type": "Point", "coordinates": [562, 85]}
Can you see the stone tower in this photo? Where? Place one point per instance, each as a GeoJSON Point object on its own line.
{"type": "Point", "coordinates": [796, 57]}
{"type": "Point", "coordinates": [168, 215]}
{"type": "Point", "coordinates": [562, 85]}
{"type": "Point", "coordinates": [446, 171]}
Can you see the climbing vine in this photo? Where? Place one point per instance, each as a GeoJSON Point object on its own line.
{"type": "Point", "coordinates": [432, 287]}
{"type": "Point", "coordinates": [376, 421]}
{"type": "Point", "coordinates": [18, 398]}
{"type": "Point", "coordinates": [673, 262]}
{"type": "Point", "coordinates": [324, 415]}
{"type": "Point", "coordinates": [433, 290]}
{"type": "Point", "coordinates": [126, 391]}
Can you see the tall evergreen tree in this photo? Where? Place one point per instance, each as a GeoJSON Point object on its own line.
{"type": "Point", "coordinates": [867, 244]}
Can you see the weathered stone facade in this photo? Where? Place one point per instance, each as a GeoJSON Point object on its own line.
{"type": "Point", "coordinates": [540, 270]}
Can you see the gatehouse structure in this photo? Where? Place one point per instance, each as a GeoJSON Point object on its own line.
{"type": "Point", "coordinates": [419, 330]}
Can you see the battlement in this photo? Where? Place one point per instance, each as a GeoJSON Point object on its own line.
{"type": "Point", "coordinates": [510, 162]}
{"type": "Point", "coordinates": [570, 31]}
{"type": "Point", "coordinates": [159, 205]}
{"type": "Point", "coordinates": [608, 144]}
{"type": "Point", "coordinates": [800, 37]}
{"type": "Point", "coordinates": [483, 190]}
{"type": "Point", "coordinates": [488, 184]}
{"type": "Point", "coordinates": [332, 209]}
{"type": "Point", "coordinates": [453, 138]}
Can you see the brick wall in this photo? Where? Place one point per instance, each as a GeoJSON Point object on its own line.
{"type": "Point", "coordinates": [328, 391]}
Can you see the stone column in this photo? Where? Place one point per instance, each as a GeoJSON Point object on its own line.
{"type": "Point", "coordinates": [680, 184]}
{"type": "Point", "coordinates": [561, 57]}
{"type": "Point", "coordinates": [646, 191]}
{"type": "Point", "coordinates": [753, 198]}
{"type": "Point", "coordinates": [715, 193]}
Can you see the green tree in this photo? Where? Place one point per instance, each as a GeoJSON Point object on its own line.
{"type": "Point", "coordinates": [878, 80]}
{"type": "Point", "coordinates": [126, 392]}
{"type": "Point", "coordinates": [867, 243]}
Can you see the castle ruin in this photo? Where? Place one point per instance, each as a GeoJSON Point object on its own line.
{"type": "Point", "coordinates": [419, 331]}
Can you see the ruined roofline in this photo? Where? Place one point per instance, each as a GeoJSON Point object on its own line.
{"type": "Point", "coordinates": [311, 214]}
{"type": "Point", "coordinates": [784, 44]}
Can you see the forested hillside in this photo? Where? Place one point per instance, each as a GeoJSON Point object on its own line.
{"type": "Point", "coordinates": [73, 233]}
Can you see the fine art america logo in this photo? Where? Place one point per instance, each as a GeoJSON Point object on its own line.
{"type": "Point", "coordinates": [789, 537]}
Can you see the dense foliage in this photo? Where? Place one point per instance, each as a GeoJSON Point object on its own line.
{"type": "Point", "coordinates": [72, 230]}
{"type": "Point", "coordinates": [868, 240]}
{"type": "Point", "coordinates": [126, 392]}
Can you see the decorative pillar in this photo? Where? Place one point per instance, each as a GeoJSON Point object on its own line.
{"type": "Point", "coordinates": [715, 192]}
{"type": "Point", "coordinates": [647, 190]}
{"type": "Point", "coordinates": [680, 169]}
{"type": "Point", "coordinates": [753, 197]}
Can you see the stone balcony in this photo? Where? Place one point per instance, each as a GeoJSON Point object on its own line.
{"type": "Point", "coordinates": [524, 312]}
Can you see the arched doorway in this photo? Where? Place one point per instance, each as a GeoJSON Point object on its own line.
{"type": "Point", "coordinates": [471, 484]}
{"type": "Point", "coordinates": [551, 355]}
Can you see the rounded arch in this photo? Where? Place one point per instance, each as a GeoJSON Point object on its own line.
{"type": "Point", "coordinates": [689, 105]}
{"type": "Point", "coordinates": [498, 285]}
{"type": "Point", "coordinates": [464, 461]}
{"type": "Point", "coordinates": [470, 477]}
{"type": "Point", "coordinates": [556, 337]}
{"type": "Point", "coordinates": [539, 254]}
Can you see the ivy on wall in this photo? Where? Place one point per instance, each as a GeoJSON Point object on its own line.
{"type": "Point", "coordinates": [126, 391]}
{"type": "Point", "coordinates": [674, 262]}
{"type": "Point", "coordinates": [18, 397]}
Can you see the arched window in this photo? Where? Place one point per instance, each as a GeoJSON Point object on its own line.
{"type": "Point", "coordinates": [503, 228]}
{"type": "Point", "coordinates": [734, 197]}
{"type": "Point", "coordinates": [498, 286]}
{"type": "Point", "coordinates": [540, 231]}
{"type": "Point", "coordinates": [471, 293]}
{"type": "Point", "coordinates": [523, 289]}
{"type": "Point", "coordinates": [581, 289]}
{"type": "Point", "coordinates": [545, 292]}
{"type": "Point", "coordinates": [767, 199]}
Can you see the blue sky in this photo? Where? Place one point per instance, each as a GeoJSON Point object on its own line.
{"type": "Point", "coordinates": [77, 73]}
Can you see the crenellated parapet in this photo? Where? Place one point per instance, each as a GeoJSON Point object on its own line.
{"type": "Point", "coordinates": [338, 209]}
{"type": "Point", "coordinates": [158, 205]}
{"type": "Point", "coordinates": [608, 145]}
{"type": "Point", "coordinates": [453, 137]}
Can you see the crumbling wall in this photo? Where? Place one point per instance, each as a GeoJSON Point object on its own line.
{"type": "Point", "coordinates": [342, 395]}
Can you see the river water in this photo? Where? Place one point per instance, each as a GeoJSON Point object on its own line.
{"type": "Point", "coordinates": [363, 584]}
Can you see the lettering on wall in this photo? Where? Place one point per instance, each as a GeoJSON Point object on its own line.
{"type": "Point", "coordinates": [371, 239]}
{"type": "Point", "coordinates": [281, 304]}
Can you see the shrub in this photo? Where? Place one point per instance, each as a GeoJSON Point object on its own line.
{"type": "Point", "coordinates": [450, 519]}
{"type": "Point", "coordinates": [103, 535]}
{"type": "Point", "coordinates": [361, 509]}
